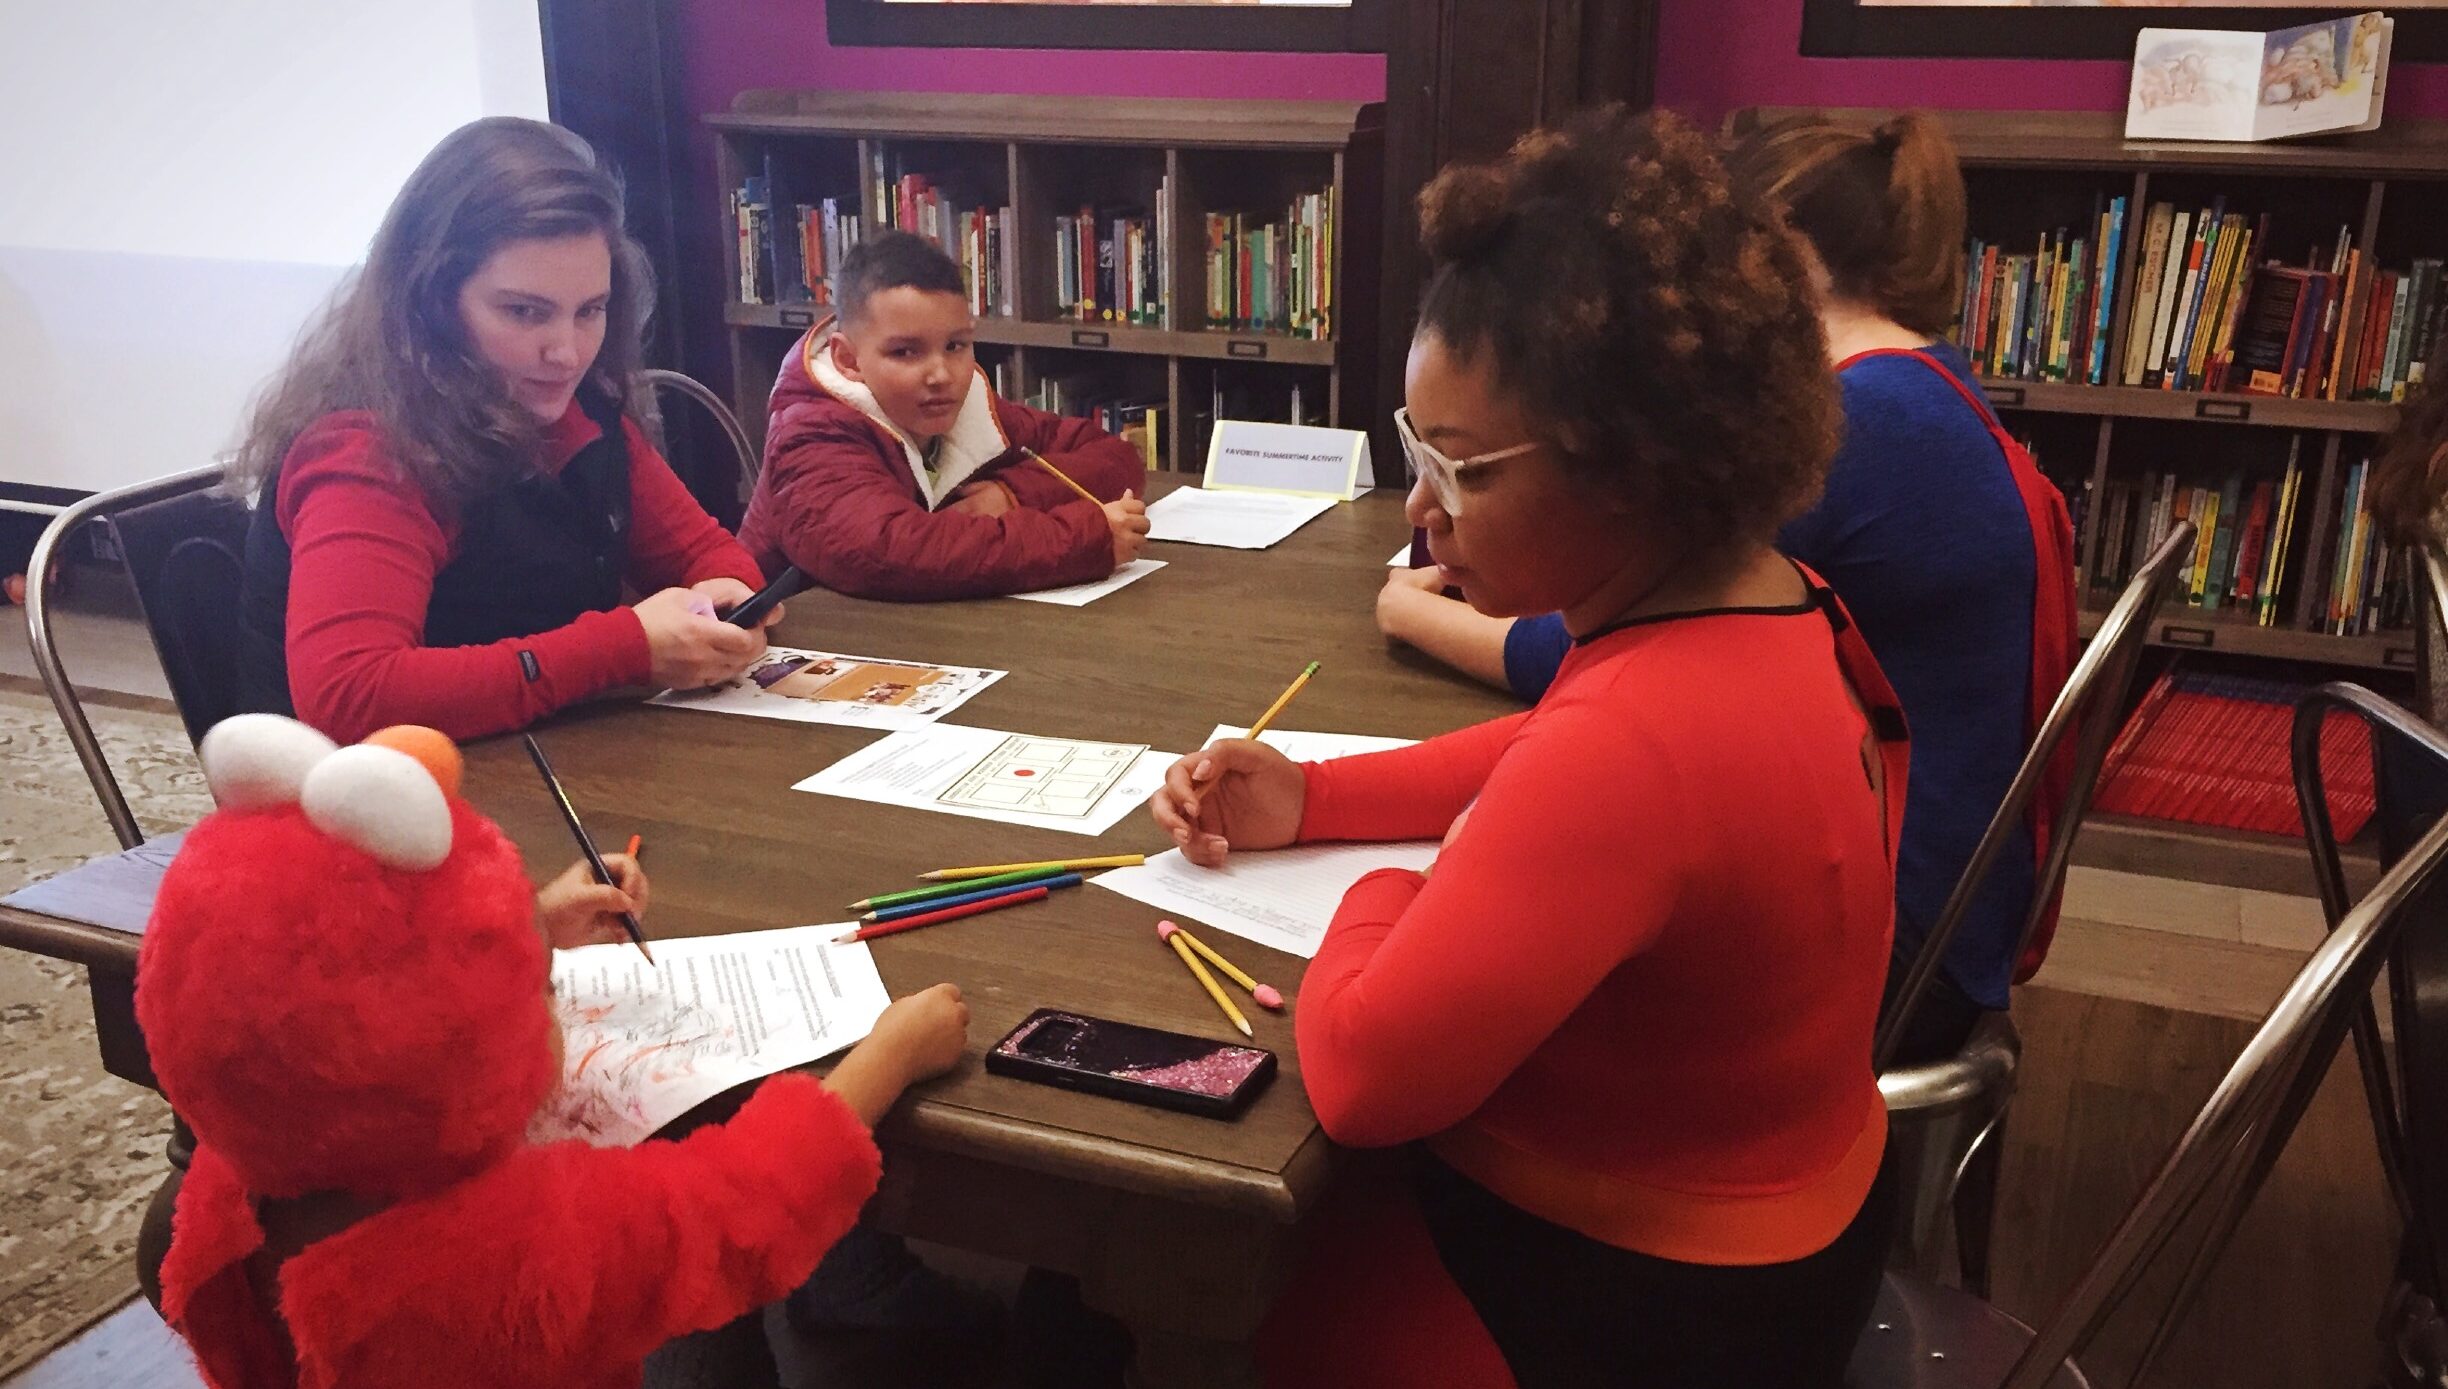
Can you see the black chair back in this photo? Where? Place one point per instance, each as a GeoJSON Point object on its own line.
{"type": "Point", "coordinates": [185, 555]}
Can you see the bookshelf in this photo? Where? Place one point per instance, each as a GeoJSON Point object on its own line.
{"type": "Point", "coordinates": [1020, 176]}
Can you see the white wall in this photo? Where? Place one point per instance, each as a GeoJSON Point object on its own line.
{"type": "Point", "coordinates": [182, 184]}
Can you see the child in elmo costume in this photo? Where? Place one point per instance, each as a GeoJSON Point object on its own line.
{"type": "Point", "coordinates": [346, 991]}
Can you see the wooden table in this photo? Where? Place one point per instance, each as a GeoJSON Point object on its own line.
{"type": "Point", "coordinates": [1180, 1226]}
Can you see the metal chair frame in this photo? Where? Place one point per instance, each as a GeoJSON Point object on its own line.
{"type": "Point", "coordinates": [48, 552]}
{"type": "Point", "coordinates": [1973, 1088]}
{"type": "Point", "coordinates": [2236, 1138]}
{"type": "Point", "coordinates": [656, 380]}
{"type": "Point", "coordinates": [2100, 679]}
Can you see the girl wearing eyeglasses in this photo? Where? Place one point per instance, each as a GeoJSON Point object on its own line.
{"type": "Point", "coordinates": [1936, 527]}
{"type": "Point", "coordinates": [1623, 1027]}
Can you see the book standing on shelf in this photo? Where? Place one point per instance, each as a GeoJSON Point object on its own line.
{"type": "Point", "coordinates": [1110, 265]}
{"type": "Point", "coordinates": [1274, 277]}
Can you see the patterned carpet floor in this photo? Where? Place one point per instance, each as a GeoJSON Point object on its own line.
{"type": "Point", "coordinates": [80, 1151]}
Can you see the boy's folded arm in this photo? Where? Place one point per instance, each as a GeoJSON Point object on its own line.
{"type": "Point", "coordinates": [1096, 460]}
{"type": "Point", "coordinates": [858, 529]}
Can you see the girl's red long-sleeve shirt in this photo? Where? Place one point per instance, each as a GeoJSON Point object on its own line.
{"type": "Point", "coordinates": [364, 549]}
{"type": "Point", "coordinates": [1635, 997]}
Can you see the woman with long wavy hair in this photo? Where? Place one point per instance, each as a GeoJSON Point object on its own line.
{"type": "Point", "coordinates": [450, 489]}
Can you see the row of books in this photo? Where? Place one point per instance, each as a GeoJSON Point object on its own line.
{"type": "Point", "coordinates": [2044, 316]}
{"type": "Point", "coordinates": [2208, 312]}
{"type": "Point", "coordinates": [2207, 747]}
{"type": "Point", "coordinates": [791, 258]}
{"type": "Point", "coordinates": [1276, 276]}
{"type": "Point", "coordinates": [1110, 265]}
{"type": "Point", "coordinates": [2209, 317]}
{"type": "Point", "coordinates": [2253, 546]}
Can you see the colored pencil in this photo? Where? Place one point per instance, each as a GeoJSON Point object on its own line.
{"type": "Point", "coordinates": [1265, 994]}
{"type": "Point", "coordinates": [637, 845]}
{"type": "Point", "coordinates": [1282, 699]}
{"type": "Point", "coordinates": [1215, 991]}
{"type": "Point", "coordinates": [1059, 881]}
{"type": "Point", "coordinates": [1047, 464]}
{"type": "Point", "coordinates": [1065, 865]}
{"type": "Point", "coordinates": [586, 844]}
{"type": "Point", "coordinates": [945, 889]}
{"type": "Point", "coordinates": [911, 923]}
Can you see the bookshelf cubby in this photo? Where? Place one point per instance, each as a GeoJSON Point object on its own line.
{"type": "Point", "coordinates": [1165, 166]}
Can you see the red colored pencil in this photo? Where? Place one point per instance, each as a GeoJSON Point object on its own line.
{"type": "Point", "coordinates": [886, 928]}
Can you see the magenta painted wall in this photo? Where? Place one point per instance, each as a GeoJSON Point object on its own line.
{"type": "Point", "coordinates": [1724, 55]}
{"type": "Point", "coordinates": [730, 45]}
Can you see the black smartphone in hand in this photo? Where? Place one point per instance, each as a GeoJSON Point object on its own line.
{"type": "Point", "coordinates": [1145, 1065]}
{"type": "Point", "coordinates": [786, 584]}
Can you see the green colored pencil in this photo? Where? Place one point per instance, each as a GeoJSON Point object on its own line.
{"type": "Point", "coordinates": [921, 894]}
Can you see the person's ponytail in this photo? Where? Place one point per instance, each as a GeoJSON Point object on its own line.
{"type": "Point", "coordinates": [1921, 283]}
{"type": "Point", "coordinates": [1883, 210]}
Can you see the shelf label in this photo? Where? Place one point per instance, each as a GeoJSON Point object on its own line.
{"type": "Point", "coordinates": [1081, 337]}
{"type": "Point", "coordinates": [798, 318]}
{"type": "Point", "coordinates": [2174, 635]}
{"type": "Point", "coordinates": [2397, 657]}
{"type": "Point", "coordinates": [2232, 411]}
{"type": "Point", "coordinates": [2008, 396]}
{"type": "Point", "coordinates": [1239, 347]}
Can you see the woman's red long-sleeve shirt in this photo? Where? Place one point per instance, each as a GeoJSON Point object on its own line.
{"type": "Point", "coordinates": [1636, 995]}
{"type": "Point", "coordinates": [364, 549]}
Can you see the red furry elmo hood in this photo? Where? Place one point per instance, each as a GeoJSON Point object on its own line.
{"type": "Point", "coordinates": [327, 1005]}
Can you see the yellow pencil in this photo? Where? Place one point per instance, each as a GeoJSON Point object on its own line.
{"type": "Point", "coordinates": [1265, 994]}
{"type": "Point", "coordinates": [1282, 699]}
{"type": "Point", "coordinates": [1042, 462]}
{"type": "Point", "coordinates": [988, 870]}
{"type": "Point", "coordinates": [1215, 991]}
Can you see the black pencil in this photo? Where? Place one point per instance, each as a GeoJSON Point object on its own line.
{"type": "Point", "coordinates": [569, 816]}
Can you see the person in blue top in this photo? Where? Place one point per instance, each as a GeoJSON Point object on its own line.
{"type": "Point", "coordinates": [1922, 530]}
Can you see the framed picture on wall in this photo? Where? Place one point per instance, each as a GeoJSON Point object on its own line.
{"type": "Point", "coordinates": [2072, 28]}
{"type": "Point", "coordinates": [1297, 26]}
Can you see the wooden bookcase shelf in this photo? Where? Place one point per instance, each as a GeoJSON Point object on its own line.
{"type": "Point", "coordinates": [1046, 157]}
{"type": "Point", "coordinates": [2216, 407]}
{"type": "Point", "coordinates": [2028, 173]}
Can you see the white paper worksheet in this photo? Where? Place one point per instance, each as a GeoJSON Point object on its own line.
{"type": "Point", "coordinates": [1236, 520]}
{"type": "Point", "coordinates": [1016, 778]}
{"type": "Point", "coordinates": [1081, 595]}
{"type": "Point", "coordinates": [827, 687]}
{"type": "Point", "coordinates": [644, 1044]}
{"type": "Point", "coordinates": [1279, 897]}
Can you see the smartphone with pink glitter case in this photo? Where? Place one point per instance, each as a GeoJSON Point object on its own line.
{"type": "Point", "coordinates": [1145, 1065]}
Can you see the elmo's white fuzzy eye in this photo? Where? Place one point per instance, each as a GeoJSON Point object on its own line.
{"type": "Point", "coordinates": [382, 801]}
{"type": "Point", "coordinates": [256, 761]}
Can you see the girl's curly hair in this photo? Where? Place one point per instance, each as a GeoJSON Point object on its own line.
{"type": "Point", "coordinates": [1656, 326]}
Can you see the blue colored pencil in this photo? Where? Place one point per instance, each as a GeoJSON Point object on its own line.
{"type": "Point", "coordinates": [884, 914]}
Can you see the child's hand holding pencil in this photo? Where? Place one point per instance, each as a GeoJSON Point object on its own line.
{"type": "Point", "coordinates": [574, 910]}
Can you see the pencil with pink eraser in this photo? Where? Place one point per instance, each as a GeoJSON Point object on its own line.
{"type": "Point", "coordinates": [1265, 993]}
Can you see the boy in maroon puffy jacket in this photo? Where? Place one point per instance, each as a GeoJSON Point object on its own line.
{"type": "Point", "coordinates": [892, 470]}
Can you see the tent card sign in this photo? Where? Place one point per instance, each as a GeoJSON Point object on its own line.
{"type": "Point", "coordinates": [2209, 84]}
{"type": "Point", "coordinates": [1293, 459]}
